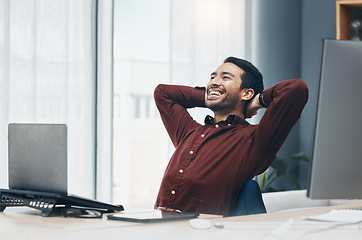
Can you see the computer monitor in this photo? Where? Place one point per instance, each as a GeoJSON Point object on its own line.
{"type": "Point", "coordinates": [336, 166]}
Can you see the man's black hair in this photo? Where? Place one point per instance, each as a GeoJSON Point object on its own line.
{"type": "Point", "coordinates": [251, 77]}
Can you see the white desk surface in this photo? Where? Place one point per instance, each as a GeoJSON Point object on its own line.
{"type": "Point", "coordinates": [28, 224]}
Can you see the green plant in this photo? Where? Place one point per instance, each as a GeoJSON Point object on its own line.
{"type": "Point", "coordinates": [282, 173]}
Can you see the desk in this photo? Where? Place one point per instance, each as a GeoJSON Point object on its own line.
{"type": "Point", "coordinates": [25, 223]}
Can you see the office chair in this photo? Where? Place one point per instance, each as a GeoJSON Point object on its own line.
{"type": "Point", "coordinates": [249, 201]}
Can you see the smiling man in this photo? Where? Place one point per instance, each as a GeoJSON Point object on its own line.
{"type": "Point", "coordinates": [212, 161]}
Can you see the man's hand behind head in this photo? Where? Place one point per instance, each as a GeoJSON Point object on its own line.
{"type": "Point", "coordinates": [252, 107]}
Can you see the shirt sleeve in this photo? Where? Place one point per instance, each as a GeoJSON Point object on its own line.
{"type": "Point", "coordinates": [286, 101]}
{"type": "Point", "coordinates": [172, 102]}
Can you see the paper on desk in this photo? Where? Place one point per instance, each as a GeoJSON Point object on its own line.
{"type": "Point", "coordinates": [341, 216]}
{"type": "Point", "coordinates": [280, 231]}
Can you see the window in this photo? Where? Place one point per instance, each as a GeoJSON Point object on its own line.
{"type": "Point", "coordinates": [47, 62]}
{"type": "Point", "coordinates": [161, 41]}
{"type": "Point", "coordinates": [140, 144]}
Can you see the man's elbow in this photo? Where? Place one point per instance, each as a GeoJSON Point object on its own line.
{"type": "Point", "coordinates": [300, 89]}
{"type": "Point", "coordinates": [159, 91]}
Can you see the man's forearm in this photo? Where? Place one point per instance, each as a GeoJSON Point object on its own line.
{"type": "Point", "coordinates": [187, 97]}
{"type": "Point", "coordinates": [291, 89]}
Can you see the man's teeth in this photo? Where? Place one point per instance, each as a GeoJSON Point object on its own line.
{"type": "Point", "coordinates": [215, 93]}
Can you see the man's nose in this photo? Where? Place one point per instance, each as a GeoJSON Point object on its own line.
{"type": "Point", "coordinates": [216, 81]}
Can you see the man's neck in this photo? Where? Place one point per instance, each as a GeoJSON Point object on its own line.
{"type": "Point", "coordinates": [218, 117]}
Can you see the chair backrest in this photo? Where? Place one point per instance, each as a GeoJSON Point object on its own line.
{"type": "Point", "coordinates": [249, 201]}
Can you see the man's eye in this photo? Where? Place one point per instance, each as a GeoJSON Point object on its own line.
{"type": "Point", "coordinates": [226, 77]}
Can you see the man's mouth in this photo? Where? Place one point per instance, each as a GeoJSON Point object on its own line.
{"type": "Point", "coordinates": [215, 92]}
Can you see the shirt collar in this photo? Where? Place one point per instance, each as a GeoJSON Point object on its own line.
{"type": "Point", "coordinates": [231, 119]}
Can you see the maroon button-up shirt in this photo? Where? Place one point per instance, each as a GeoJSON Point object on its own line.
{"type": "Point", "coordinates": [211, 162]}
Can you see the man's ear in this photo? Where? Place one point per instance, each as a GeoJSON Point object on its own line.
{"type": "Point", "coordinates": [247, 94]}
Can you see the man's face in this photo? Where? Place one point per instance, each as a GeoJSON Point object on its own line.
{"type": "Point", "coordinates": [223, 90]}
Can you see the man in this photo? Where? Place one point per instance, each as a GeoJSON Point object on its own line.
{"type": "Point", "coordinates": [211, 162]}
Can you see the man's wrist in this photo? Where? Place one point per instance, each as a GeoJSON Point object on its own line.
{"type": "Point", "coordinates": [261, 100]}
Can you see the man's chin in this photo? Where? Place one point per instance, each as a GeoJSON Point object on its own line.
{"type": "Point", "coordinates": [213, 104]}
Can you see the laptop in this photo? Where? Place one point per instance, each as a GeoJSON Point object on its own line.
{"type": "Point", "coordinates": [38, 157]}
{"type": "Point", "coordinates": [38, 170]}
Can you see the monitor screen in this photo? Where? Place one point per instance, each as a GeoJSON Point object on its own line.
{"type": "Point", "coordinates": [336, 166]}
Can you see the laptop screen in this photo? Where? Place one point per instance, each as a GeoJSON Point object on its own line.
{"type": "Point", "coordinates": [38, 157]}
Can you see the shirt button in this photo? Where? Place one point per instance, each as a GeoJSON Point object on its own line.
{"type": "Point", "coordinates": [202, 135]}
{"type": "Point", "coordinates": [173, 192]}
{"type": "Point", "coordinates": [181, 171]}
{"type": "Point", "coordinates": [191, 152]}
{"type": "Point", "coordinates": [216, 125]}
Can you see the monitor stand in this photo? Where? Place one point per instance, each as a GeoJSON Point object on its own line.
{"type": "Point", "coordinates": [51, 204]}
